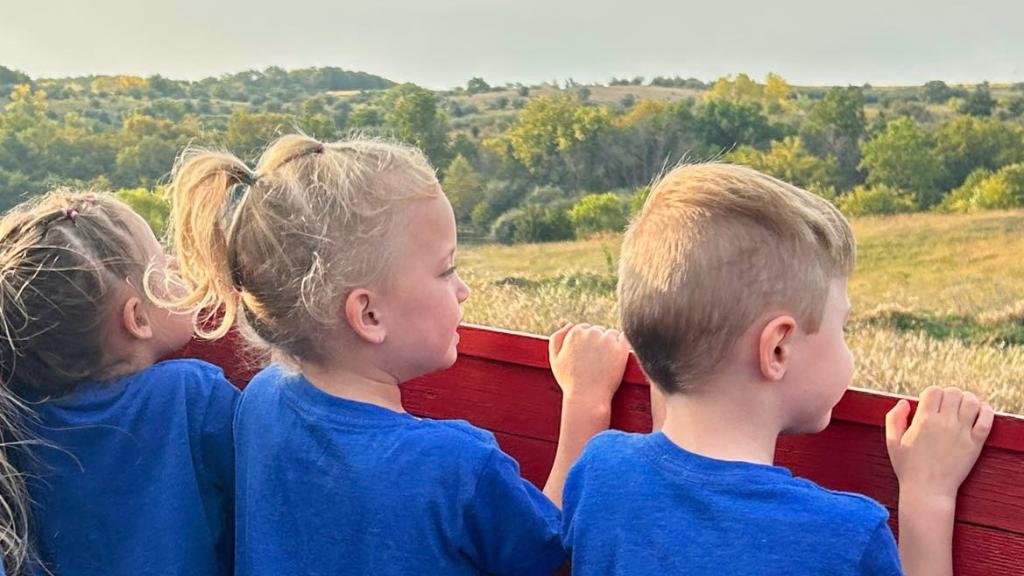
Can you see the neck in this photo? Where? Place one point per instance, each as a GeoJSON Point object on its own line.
{"type": "Point", "coordinates": [131, 360]}
{"type": "Point", "coordinates": [725, 426]}
{"type": "Point", "coordinates": [370, 386]}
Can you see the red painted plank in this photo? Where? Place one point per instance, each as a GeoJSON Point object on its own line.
{"type": "Point", "coordinates": [863, 406]}
{"type": "Point", "coordinates": [852, 457]}
{"type": "Point", "coordinates": [981, 551]}
{"type": "Point", "coordinates": [535, 457]}
{"type": "Point", "coordinates": [502, 382]}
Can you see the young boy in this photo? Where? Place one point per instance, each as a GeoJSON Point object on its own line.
{"type": "Point", "coordinates": [733, 296]}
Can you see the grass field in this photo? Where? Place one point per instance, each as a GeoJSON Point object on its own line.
{"type": "Point", "coordinates": [938, 299]}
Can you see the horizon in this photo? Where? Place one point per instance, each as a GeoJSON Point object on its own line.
{"type": "Point", "coordinates": [442, 44]}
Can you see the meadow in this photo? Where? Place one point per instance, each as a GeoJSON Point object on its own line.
{"type": "Point", "coordinates": [937, 299]}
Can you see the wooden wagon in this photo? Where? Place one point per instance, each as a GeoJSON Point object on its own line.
{"type": "Point", "coordinates": [502, 382]}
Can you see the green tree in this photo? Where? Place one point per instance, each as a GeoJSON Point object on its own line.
{"type": "Point", "coordinates": [723, 124]}
{"type": "Point", "coordinates": [248, 133]}
{"type": "Point", "coordinates": [147, 148]}
{"type": "Point", "coordinates": [557, 139]}
{"type": "Point", "coordinates": [647, 138]}
{"type": "Point", "coordinates": [477, 85]}
{"type": "Point", "coordinates": [937, 92]}
{"type": "Point", "coordinates": [366, 116]}
{"type": "Point", "coordinates": [876, 201]}
{"type": "Point", "coordinates": [739, 90]}
{"type": "Point", "coordinates": [464, 187]}
{"type": "Point", "coordinates": [834, 127]}
{"type": "Point", "coordinates": [979, 102]}
{"type": "Point", "coordinates": [598, 213]}
{"type": "Point", "coordinates": [903, 157]}
{"type": "Point", "coordinates": [152, 205]}
{"type": "Point", "coordinates": [985, 190]}
{"type": "Point", "coordinates": [532, 223]}
{"type": "Point", "coordinates": [25, 109]}
{"type": "Point", "coordinates": [413, 115]}
{"type": "Point", "coordinates": [788, 160]}
{"type": "Point", "coordinates": [967, 143]}
{"type": "Point", "coordinates": [10, 78]}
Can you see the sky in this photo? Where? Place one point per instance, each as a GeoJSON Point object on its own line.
{"type": "Point", "coordinates": [442, 43]}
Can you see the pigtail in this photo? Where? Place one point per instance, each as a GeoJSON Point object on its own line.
{"type": "Point", "coordinates": [201, 190]}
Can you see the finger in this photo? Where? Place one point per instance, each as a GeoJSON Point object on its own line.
{"type": "Point", "coordinates": [556, 340]}
{"type": "Point", "coordinates": [951, 399]}
{"type": "Point", "coordinates": [983, 425]}
{"type": "Point", "coordinates": [969, 407]}
{"type": "Point", "coordinates": [896, 425]}
{"type": "Point", "coordinates": [931, 400]}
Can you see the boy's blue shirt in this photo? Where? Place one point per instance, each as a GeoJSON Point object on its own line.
{"type": "Point", "coordinates": [638, 504]}
{"type": "Point", "coordinates": [331, 486]}
{"type": "Point", "coordinates": [136, 476]}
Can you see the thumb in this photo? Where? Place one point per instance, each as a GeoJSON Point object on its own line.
{"type": "Point", "coordinates": [896, 426]}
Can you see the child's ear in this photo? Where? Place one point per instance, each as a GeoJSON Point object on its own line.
{"type": "Point", "coordinates": [135, 318]}
{"type": "Point", "coordinates": [775, 346]}
{"type": "Point", "coordinates": [364, 316]}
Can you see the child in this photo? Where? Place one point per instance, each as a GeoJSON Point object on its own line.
{"type": "Point", "coordinates": [131, 468]}
{"type": "Point", "coordinates": [733, 295]}
{"type": "Point", "coordinates": [340, 258]}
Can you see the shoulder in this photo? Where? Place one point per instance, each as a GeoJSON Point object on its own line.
{"type": "Point", "coordinates": [268, 381]}
{"type": "Point", "coordinates": [612, 447]}
{"type": "Point", "coordinates": [860, 513]}
{"type": "Point", "coordinates": [194, 378]}
{"type": "Point", "coordinates": [450, 437]}
{"type": "Point", "coordinates": [187, 371]}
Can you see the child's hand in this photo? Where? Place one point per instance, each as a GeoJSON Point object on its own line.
{"type": "Point", "coordinates": [934, 455]}
{"type": "Point", "coordinates": [588, 362]}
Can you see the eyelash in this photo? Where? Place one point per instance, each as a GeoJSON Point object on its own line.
{"type": "Point", "coordinates": [450, 271]}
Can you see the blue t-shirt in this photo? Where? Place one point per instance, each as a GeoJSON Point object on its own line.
{"type": "Point", "coordinates": [137, 475]}
{"type": "Point", "coordinates": [331, 486]}
{"type": "Point", "coordinates": [639, 505]}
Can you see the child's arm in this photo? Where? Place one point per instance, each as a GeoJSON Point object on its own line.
{"type": "Point", "coordinates": [931, 459]}
{"type": "Point", "coordinates": [588, 362]}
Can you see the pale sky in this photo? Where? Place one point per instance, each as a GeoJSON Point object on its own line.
{"type": "Point", "coordinates": [442, 43]}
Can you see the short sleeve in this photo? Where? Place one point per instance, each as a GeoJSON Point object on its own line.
{"type": "Point", "coordinates": [511, 527]}
{"type": "Point", "coordinates": [881, 556]}
{"type": "Point", "coordinates": [571, 498]}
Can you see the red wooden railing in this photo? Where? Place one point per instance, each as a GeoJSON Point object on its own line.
{"type": "Point", "coordinates": [502, 382]}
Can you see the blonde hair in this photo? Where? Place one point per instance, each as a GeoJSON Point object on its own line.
{"type": "Point", "coordinates": [61, 256]}
{"type": "Point", "coordinates": [311, 223]}
{"type": "Point", "coordinates": [715, 247]}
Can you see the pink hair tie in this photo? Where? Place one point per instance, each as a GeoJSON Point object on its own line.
{"type": "Point", "coordinates": [71, 214]}
{"type": "Point", "coordinates": [91, 199]}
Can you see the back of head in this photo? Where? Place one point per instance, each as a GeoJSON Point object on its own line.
{"type": "Point", "coordinates": [278, 248]}
{"type": "Point", "coordinates": [61, 255]}
{"type": "Point", "coordinates": [715, 248]}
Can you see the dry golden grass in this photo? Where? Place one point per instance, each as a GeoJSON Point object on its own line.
{"type": "Point", "coordinates": [938, 299]}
